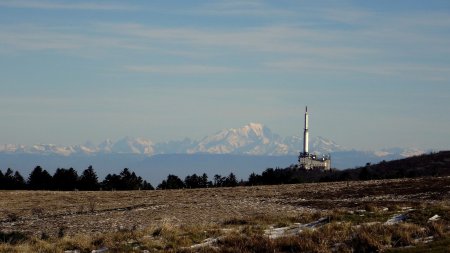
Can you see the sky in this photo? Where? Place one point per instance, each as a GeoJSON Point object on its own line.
{"type": "Point", "coordinates": [374, 74]}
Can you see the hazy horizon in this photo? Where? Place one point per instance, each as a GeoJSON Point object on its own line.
{"type": "Point", "coordinates": [373, 74]}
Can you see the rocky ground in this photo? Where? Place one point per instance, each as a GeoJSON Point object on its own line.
{"type": "Point", "coordinates": [69, 213]}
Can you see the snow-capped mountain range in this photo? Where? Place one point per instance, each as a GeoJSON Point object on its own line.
{"type": "Point", "coordinates": [251, 139]}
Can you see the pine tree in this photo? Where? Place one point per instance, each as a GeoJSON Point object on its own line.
{"type": "Point", "coordinates": [172, 182]}
{"type": "Point", "coordinates": [204, 181]}
{"type": "Point", "coordinates": [65, 179]}
{"type": "Point", "coordinates": [231, 181]}
{"type": "Point", "coordinates": [2, 181]}
{"type": "Point", "coordinates": [111, 182]}
{"type": "Point", "coordinates": [147, 186]}
{"type": "Point", "coordinates": [39, 179]}
{"type": "Point", "coordinates": [88, 180]}
{"type": "Point", "coordinates": [8, 179]}
{"type": "Point", "coordinates": [19, 181]}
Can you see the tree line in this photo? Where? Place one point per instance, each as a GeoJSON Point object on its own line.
{"type": "Point", "coordinates": [69, 180]}
{"type": "Point", "coordinates": [434, 164]}
{"type": "Point", "coordinates": [425, 165]}
{"type": "Point", "coordinates": [195, 181]}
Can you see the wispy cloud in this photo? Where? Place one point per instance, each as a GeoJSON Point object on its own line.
{"type": "Point", "coordinates": [66, 5]}
{"type": "Point", "coordinates": [180, 69]}
{"type": "Point", "coordinates": [319, 66]}
{"type": "Point", "coordinates": [267, 39]}
{"type": "Point", "coordinates": [378, 44]}
{"type": "Point", "coordinates": [240, 8]}
{"type": "Point", "coordinates": [410, 71]}
{"type": "Point", "coordinates": [346, 15]}
{"type": "Point", "coordinates": [32, 37]}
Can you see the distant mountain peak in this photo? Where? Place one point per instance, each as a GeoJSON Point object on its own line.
{"type": "Point", "coordinates": [325, 145]}
{"type": "Point", "coordinates": [133, 146]}
{"type": "Point", "coordinates": [403, 152]}
{"type": "Point", "coordinates": [256, 128]}
{"type": "Point", "coordinates": [253, 138]}
{"type": "Point", "coordinates": [250, 139]}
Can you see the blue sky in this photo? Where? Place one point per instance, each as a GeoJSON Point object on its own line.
{"type": "Point", "coordinates": [374, 74]}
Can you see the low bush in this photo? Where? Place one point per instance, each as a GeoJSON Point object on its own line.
{"type": "Point", "coordinates": [13, 237]}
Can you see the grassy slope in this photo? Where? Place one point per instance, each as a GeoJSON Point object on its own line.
{"type": "Point", "coordinates": [173, 220]}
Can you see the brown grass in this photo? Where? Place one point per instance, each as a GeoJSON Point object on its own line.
{"type": "Point", "coordinates": [174, 220]}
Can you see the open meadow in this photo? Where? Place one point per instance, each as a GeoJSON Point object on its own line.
{"type": "Point", "coordinates": [378, 215]}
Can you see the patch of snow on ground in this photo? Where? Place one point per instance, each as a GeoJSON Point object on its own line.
{"type": "Point", "coordinates": [434, 218]}
{"type": "Point", "coordinates": [396, 219]}
{"type": "Point", "coordinates": [102, 250]}
{"type": "Point", "coordinates": [295, 229]}
{"type": "Point", "coordinates": [205, 243]}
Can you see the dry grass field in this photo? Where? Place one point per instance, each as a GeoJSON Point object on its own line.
{"type": "Point", "coordinates": [316, 217]}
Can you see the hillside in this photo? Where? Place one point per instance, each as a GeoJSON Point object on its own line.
{"type": "Point", "coordinates": [433, 164]}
